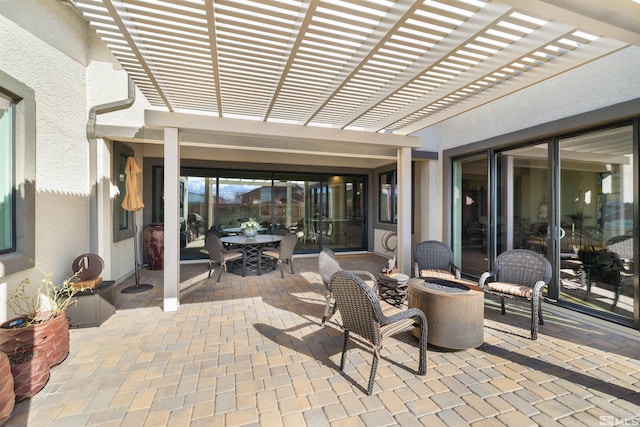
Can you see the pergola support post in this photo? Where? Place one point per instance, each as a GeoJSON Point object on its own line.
{"type": "Point", "coordinates": [403, 252]}
{"type": "Point", "coordinates": [171, 219]}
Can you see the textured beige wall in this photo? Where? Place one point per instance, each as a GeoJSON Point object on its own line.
{"type": "Point", "coordinates": [46, 45]}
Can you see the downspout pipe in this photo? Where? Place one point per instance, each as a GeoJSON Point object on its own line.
{"type": "Point", "coordinates": [93, 158]}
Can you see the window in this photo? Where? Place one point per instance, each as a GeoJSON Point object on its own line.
{"type": "Point", "coordinates": [123, 217]}
{"type": "Point", "coordinates": [7, 203]}
{"type": "Point", "coordinates": [323, 210]}
{"type": "Point", "coordinates": [388, 197]}
{"type": "Point", "coordinates": [122, 228]}
{"type": "Point", "coordinates": [17, 175]}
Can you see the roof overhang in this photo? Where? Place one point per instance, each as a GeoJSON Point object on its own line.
{"type": "Point", "coordinates": [316, 145]}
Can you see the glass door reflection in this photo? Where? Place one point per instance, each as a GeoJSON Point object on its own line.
{"type": "Point", "coordinates": [470, 232]}
{"type": "Point", "coordinates": [596, 214]}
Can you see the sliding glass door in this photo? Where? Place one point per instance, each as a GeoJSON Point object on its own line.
{"type": "Point", "coordinates": [523, 199]}
{"type": "Point", "coordinates": [322, 210]}
{"type": "Point", "coordinates": [597, 189]}
{"type": "Point", "coordinates": [571, 199]}
{"type": "Point", "coordinates": [470, 207]}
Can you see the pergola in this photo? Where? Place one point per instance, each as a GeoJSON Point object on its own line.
{"type": "Point", "coordinates": [370, 65]}
{"type": "Point", "coordinates": [338, 78]}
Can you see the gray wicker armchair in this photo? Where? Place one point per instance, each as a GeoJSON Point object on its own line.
{"type": "Point", "coordinates": [434, 259]}
{"type": "Point", "coordinates": [284, 253]}
{"type": "Point", "coordinates": [218, 254]}
{"type": "Point", "coordinates": [523, 274]}
{"type": "Point", "coordinates": [361, 314]}
{"type": "Point", "coordinates": [328, 266]}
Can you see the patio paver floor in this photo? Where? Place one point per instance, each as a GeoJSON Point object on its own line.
{"type": "Point", "coordinates": [250, 351]}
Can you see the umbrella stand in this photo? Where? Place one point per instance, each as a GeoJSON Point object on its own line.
{"type": "Point", "coordinates": [138, 287]}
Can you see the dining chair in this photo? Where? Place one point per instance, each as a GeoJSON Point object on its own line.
{"type": "Point", "coordinates": [520, 274]}
{"type": "Point", "coordinates": [282, 232]}
{"type": "Point", "coordinates": [617, 265]}
{"type": "Point", "coordinates": [328, 265]}
{"type": "Point", "coordinates": [282, 254]}
{"type": "Point", "coordinates": [218, 254]}
{"type": "Point", "coordinates": [362, 314]}
{"type": "Point", "coordinates": [310, 233]}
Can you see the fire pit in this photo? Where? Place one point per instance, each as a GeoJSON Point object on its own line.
{"type": "Point", "coordinates": [454, 311]}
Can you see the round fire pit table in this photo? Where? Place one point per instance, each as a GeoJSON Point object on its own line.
{"type": "Point", "coordinates": [454, 311]}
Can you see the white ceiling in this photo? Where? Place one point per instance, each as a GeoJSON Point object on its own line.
{"type": "Point", "coordinates": [368, 65]}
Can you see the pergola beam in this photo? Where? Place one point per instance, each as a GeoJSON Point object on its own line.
{"type": "Point", "coordinates": [281, 131]}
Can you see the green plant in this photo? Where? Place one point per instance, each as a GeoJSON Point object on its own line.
{"type": "Point", "coordinates": [50, 300]}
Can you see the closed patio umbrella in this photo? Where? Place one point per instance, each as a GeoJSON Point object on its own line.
{"type": "Point", "coordinates": [133, 202]}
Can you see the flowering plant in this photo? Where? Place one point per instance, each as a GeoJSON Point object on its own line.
{"type": "Point", "coordinates": [50, 300]}
{"type": "Point", "coordinates": [251, 223]}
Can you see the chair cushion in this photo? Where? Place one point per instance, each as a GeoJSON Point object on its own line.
{"type": "Point", "coordinates": [228, 256]}
{"type": "Point", "coordinates": [437, 273]}
{"type": "Point", "coordinates": [511, 289]}
{"type": "Point", "coordinates": [87, 284]}
{"type": "Point", "coordinates": [272, 254]}
{"type": "Point", "coordinates": [389, 309]}
{"type": "Point", "coordinates": [396, 327]}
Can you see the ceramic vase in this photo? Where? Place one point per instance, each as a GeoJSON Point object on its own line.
{"type": "Point", "coordinates": [250, 232]}
{"type": "Point", "coordinates": [7, 395]}
{"type": "Point", "coordinates": [30, 371]}
{"type": "Point", "coordinates": [154, 246]}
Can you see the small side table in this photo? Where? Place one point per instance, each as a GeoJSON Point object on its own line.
{"type": "Point", "coordinates": [92, 306]}
{"type": "Point", "coordinates": [393, 288]}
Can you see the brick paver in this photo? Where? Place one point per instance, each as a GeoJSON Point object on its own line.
{"type": "Point", "coordinates": [250, 351]}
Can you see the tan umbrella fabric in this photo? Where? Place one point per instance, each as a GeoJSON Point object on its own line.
{"type": "Point", "coordinates": [132, 200]}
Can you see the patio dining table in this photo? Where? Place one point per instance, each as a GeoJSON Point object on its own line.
{"type": "Point", "coordinates": [252, 246]}
{"type": "Point", "coordinates": [239, 230]}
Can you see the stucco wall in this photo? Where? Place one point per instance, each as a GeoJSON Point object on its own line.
{"type": "Point", "coordinates": [47, 46]}
{"type": "Point", "coordinates": [608, 81]}
{"type": "Point", "coordinates": [61, 164]}
{"type": "Point", "coordinates": [598, 84]}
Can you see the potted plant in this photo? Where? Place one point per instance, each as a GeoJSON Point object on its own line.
{"type": "Point", "coordinates": [250, 227]}
{"type": "Point", "coordinates": [41, 323]}
{"type": "Point", "coordinates": [578, 219]}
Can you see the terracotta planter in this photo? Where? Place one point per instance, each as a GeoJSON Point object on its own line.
{"type": "Point", "coordinates": [154, 246]}
{"type": "Point", "coordinates": [50, 338]}
{"type": "Point", "coordinates": [30, 373]}
{"type": "Point", "coordinates": [7, 395]}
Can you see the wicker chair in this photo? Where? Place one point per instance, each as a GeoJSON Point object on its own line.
{"type": "Point", "coordinates": [328, 266]}
{"type": "Point", "coordinates": [522, 274]}
{"type": "Point", "coordinates": [361, 314]}
{"type": "Point", "coordinates": [284, 253]}
{"type": "Point", "coordinates": [617, 265]}
{"type": "Point", "coordinates": [434, 259]}
{"type": "Point", "coordinates": [218, 254]}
